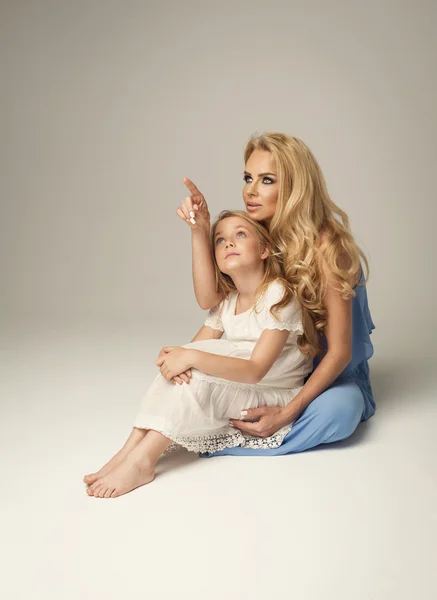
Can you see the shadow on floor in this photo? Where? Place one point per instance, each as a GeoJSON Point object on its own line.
{"type": "Point", "coordinates": [393, 384]}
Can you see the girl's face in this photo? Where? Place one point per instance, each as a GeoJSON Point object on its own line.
{"type": "Point", "coordinates": [260, 193]}
{"type": "Point", "coordinates": [237, 246]}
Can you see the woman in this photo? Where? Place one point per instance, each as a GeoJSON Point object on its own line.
{"type": "Point", "coordinates": [285, 190]}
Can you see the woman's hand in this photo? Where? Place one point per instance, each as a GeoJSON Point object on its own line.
{"type": "Point", "coordinates": [182, 377]}
{"type": "Point", "coordinates": [271, 418]}
{"type": "Point", "coordinates": [194, 208]}
{"type": "Point", "coordinates": [174, 361]}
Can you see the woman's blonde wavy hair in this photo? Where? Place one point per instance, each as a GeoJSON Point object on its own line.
{"type": "Point", "coordinates": [303, 212]}
{"type": "Point", "coordinates": [273, 268]}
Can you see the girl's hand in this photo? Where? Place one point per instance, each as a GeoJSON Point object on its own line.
{"type": "Point", "coordinates": [182, 377]}
{"type": "Point", "coordinates": [271, 418]}
{"type": "Point", "coordinates": [175, 361]}
{"type": "Point", "coordinates": [194, 208]}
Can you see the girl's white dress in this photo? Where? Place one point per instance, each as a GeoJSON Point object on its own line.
{"type": "Point", "coordinates": [196, 415]}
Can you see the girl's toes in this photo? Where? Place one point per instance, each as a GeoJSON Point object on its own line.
{"type": "Point", "coordinates": [93, 488]}
{"type": "Point", "coordinates": [91, 478]}
{"type": "Point", "coordinates": [108, 492]}
{"type": "Point", "coordinates": [97, 490]}
{"type": "Point", "coordinates": [102, 491]}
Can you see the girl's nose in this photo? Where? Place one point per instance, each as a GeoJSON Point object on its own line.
{"type": "Point", "coordinates": [229, 244]}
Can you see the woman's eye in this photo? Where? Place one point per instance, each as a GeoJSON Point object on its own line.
{"type": "Point", "coordinates": [266, 179]}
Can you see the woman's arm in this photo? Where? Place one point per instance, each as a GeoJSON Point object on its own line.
{"type": "Point", "coordinates": [242, 370]}
{"type": "Point", "coordinates": [202, 262]}
{"type": "Point", "coordinates": [338, 333]}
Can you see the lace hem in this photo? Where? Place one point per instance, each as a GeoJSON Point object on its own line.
{"type": "Point", "coordinates": [220, 441]}
{"type": "Point", "coordinates": [214, 324]}
{"type": "Point", "coordinates": [289, 325]}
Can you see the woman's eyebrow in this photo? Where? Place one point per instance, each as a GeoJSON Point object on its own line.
{"type": "Point", "coordinates": [260, 175]}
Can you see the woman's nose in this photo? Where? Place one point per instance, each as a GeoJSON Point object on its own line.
{"type": "Point", "coordinates": [252, 189]}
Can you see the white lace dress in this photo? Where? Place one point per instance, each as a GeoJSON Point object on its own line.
{"type": "Point", "coordinates": [196, 415]}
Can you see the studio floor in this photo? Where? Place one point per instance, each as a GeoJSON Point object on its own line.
{"type": "Point", "coordinates": [355, 520]}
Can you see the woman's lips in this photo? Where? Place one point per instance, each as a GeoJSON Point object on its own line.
{"type": "Point", "coordinates": [252, 206]}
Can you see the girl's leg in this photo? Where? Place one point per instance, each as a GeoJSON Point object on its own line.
{"type": "Point", "coordinates": [138, 468]}
{"type": "Point", "coordinates": [332, 416]}
{"type": "Point", "coordinates": [135, 437]}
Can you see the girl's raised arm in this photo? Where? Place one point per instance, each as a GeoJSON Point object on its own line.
{"type": "Point", "coordinates": [194, 211]}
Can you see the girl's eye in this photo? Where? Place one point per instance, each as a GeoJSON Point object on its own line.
{"type": "Point", "coordinates": [242, 232]}
{"type": "Point", "coordinates": [218, 240]}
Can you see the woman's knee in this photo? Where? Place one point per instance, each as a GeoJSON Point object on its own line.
{"type": "Point", "coordinates": [340, 408]}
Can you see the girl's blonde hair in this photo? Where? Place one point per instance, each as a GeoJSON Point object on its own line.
{"type": "Point", "coordinates": [303, 212]}
{"type": "Point", "coordinates": [273, 269]}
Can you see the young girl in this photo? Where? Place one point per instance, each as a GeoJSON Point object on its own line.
{"type": "Point", "coordinates": [262, 361]}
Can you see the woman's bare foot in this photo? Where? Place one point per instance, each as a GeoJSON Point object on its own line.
{"type": "Point", "coordinates": [136, 436]}
{"type": "Point", "coordinates": [129, 475]}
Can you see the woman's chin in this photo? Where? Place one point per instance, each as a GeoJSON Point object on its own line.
{"type": "Point", "coordinates": [258, 215]}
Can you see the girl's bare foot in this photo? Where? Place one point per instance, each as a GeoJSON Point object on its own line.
{"type": "Point", "coordinates": [136, 436]}
{"type": "Point", "coordinates": [114, 462]}
{"type": "Point", "coordinates": [129, 475]}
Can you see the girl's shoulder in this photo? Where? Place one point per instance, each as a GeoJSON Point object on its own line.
{"type": "Point", "coordinates": [274, 292]}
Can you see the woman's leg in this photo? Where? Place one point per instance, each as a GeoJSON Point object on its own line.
{"type": "Point", "coordinates": [138, 468]}
{"type": "Point", "coordinates": [332, 416]}
{"type": "Point", "coordinates": [135, 437]}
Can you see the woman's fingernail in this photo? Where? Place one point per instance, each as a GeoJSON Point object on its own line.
{"type": "Point", "coordinates": [196, 207]}
{"type": "Point", "coordinates": [192, 221]}
{"type": "Point", "coordinates": [192, 215]}
{"type": "Point", "coordinates": [243, 413]}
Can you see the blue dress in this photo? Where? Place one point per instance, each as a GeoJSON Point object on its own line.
{"type": "Point", "coordinates": [336, 413]}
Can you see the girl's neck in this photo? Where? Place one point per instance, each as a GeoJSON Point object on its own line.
{"type": "Point", "coordinates": [247, 284]}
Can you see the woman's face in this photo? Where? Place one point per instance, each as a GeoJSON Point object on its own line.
{"type": "Point", "coordinates": [260, 192]}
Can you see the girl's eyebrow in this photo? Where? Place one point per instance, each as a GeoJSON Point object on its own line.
{"type": "Point", "coordinates": [260, 175]}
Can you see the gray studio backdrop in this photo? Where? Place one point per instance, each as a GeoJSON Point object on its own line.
{"type": "Point", "coordinates": [106, 106]}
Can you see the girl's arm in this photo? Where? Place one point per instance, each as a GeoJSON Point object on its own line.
{"type": "Point", "coordinates": [202, 262]}
{"type": "Point", "coordinates": [242, 370]}
{"type": "Point", "coordinates": [207, 333]}
{"type": "Point", "coordinates": [204, 333]}
{"type": "Point", "coordinates": [203, 270]}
